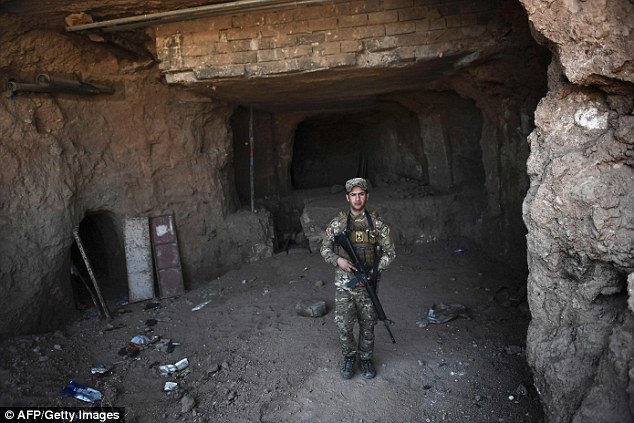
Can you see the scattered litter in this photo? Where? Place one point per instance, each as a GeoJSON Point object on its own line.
{"type": "Point", "coordinates": [152, 305]}
{"type": "Point", "coordinates": [135, 345]}
{"type": "Point", "coordinates": [443, 313]}
{"type": "Point", "coordinates": [81, 392]}
{"type": "Point", "coordinates": [181, 374]}
{"type": "Point", "coordinates": [306, 268]}
{"type": "Point", "coordinates": [170, 386]}
{"type": "Point", "coordinates": [140, 340]}
{"type": "Point", "coordinates": [168, 369]}
{"type": "Point", "coordinates": [521, 390]}
{"type": "Point", "coordinates": [101, 370]}
{"type": "Point", "coordinates": [122, 302]}
{"type": "Point", "coordinates": [130, 350]}
{"type": "Point", "coordinates": [166, 345]}
{"type": "Point", "coordinates": [311, 308]}
{"type": "Point", "coordinates": [201, 305]}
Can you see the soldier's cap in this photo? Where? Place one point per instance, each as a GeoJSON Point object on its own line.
{"type": "Point", "coordinates": [356, 182]}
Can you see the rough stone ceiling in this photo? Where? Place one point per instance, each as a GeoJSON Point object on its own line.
{"type": "Point", "coordinates": [332, 89]}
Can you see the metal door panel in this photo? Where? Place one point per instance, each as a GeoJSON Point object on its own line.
{"type": "Point", "coordinates": [166, 257]}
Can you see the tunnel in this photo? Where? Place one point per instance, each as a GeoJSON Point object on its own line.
{"type": "Point", "coordinates": [436, 149]}
{"type": "Point", "coordinates": [98, 269]}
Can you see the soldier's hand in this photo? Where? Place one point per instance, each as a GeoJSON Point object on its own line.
{"type": "Point", "coordinates": [345, 265]}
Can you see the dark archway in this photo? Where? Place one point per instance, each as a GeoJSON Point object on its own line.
{"type": "Point", "coordinates": [101, 237]}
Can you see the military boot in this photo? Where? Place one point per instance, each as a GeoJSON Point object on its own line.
{"type": "Point", "coordinates": [348, 367]}
{"type": "Point", "coordinates": [367, 369]}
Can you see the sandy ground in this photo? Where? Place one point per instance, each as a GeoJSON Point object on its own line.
{"type": "Point", "coordinates": [252, 358]}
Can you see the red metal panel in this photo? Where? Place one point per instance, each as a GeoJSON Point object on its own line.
{"type": "Point", "coordinates": [170, 282]}
{"type": "Point", "coordinates": [166, 257]}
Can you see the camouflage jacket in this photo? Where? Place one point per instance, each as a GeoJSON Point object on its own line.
{"type": "Point", "coordinates": [337, 225]}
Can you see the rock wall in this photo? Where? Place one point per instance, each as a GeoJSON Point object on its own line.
{"type": "Point", "coordinates": [146, 150]}
{"type": "Point", "coordinates": [580, 213]}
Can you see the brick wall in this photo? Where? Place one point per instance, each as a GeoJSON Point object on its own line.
{"type": "Point", "coordinates": [368, 33]}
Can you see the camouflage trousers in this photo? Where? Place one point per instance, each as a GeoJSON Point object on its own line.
{"type": "Point", "coordinates": [355, 306]}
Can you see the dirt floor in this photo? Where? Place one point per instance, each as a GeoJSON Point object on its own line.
{"type": "Point", "coordinates": [252, 358]}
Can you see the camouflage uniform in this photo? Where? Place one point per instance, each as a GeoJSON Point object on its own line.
{"type": "Point", "coordinates": [354, 304]}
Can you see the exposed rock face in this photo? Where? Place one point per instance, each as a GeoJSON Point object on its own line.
{"type": "Point", "coordinates": [143, 151]}
{"type": "Point", "coordinates": [580, 214]}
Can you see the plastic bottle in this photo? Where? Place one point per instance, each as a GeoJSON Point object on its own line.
{"type": "Point", "coordinates": [81, 392]}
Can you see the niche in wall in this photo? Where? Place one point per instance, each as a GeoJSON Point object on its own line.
{"type": "Point", "coordinates": [102, 240]}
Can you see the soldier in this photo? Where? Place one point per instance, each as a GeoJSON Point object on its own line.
{"type": "Point", "coordinates": [373, 244]}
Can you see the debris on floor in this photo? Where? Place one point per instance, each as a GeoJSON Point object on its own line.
{"type": "Point", "coordinates": [311, 308]}
{"type": "Point", "coordinates": [81, 392]}
{"type": "Point", "coordinates": [443, 313]}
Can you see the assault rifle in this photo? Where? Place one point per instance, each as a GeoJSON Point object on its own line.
{"type": "Point", "coordinates": [361, 274]}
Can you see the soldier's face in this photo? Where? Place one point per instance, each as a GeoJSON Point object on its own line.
{"type": "Point", "coordinates": [357, 199]}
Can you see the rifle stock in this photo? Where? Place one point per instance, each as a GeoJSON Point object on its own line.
{"type": "Point", "coordinates": [362, 273]}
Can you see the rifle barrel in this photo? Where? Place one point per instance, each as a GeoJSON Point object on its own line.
{"type": "Point", "coordinates": [343, 240]}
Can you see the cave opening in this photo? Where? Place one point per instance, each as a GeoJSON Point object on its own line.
{"type": "Point", "coordinates": [437, 145]}
{"type": "Point", "coordinates": [430, 141]}
{"type": "Point", "coordinates": [100, 235]}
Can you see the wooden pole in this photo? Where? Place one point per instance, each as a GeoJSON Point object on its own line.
{"type": "Point", "coordinates": [90, 272]}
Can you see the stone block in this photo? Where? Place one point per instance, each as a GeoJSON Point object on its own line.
{"type": "Point", "coordinates": [247, 20]}
{"type": "Point", "coordinates": [412, 14]}
{"type": "Point", "coordinates": [363, 32]}
{"type": "Point", "coordinates": [437, 23]}
{"type": "Point", "coordinates": [298, 51]}
{"type": "Point", "coordinates": [341, 60]}
{"type": "Point", "coordinates": [360, 6]}
{"type": "Point", "coordinates": [280, 17]}
{"type": "Point", "coordinates": [298, 27]}
{"type": "Point", "coordinates": [322, 24]}
{"type": "Point", "coordinates": [406, 53]}
{"type": "Point", "coordinates": [397, 4]}
{"type": "Point", "coordinates": [352, 20]}
{"type": "Point", "coordinates": [422, 25]}
{"type": "Point", "coordinates": [242, 33]}
{"type": "Point", "coordinates": [271, 55]}
{"type": "Point", "coordinates": [382, 17]}
{"type": "Point", "coordinates": [243, 45]}
{"type": "Point", "coordinates": [198, 49]}
{"type": "Point", "coordinates": [311, 39]}
{"type": "Point", "coordinates": [283, 40]}
{"type": "Point", "coordinates": [351, 46]}
{"type": "Point", "coordinates": [400, 28]}
{"type": "Point", "coordinates": [325, 49]}
{"type": "Point", "coordinates": [321, 12]}
{"type": "Point", "coordinates": [415, 39]}
{"type": "Point", "coordinates": [380, 44]}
